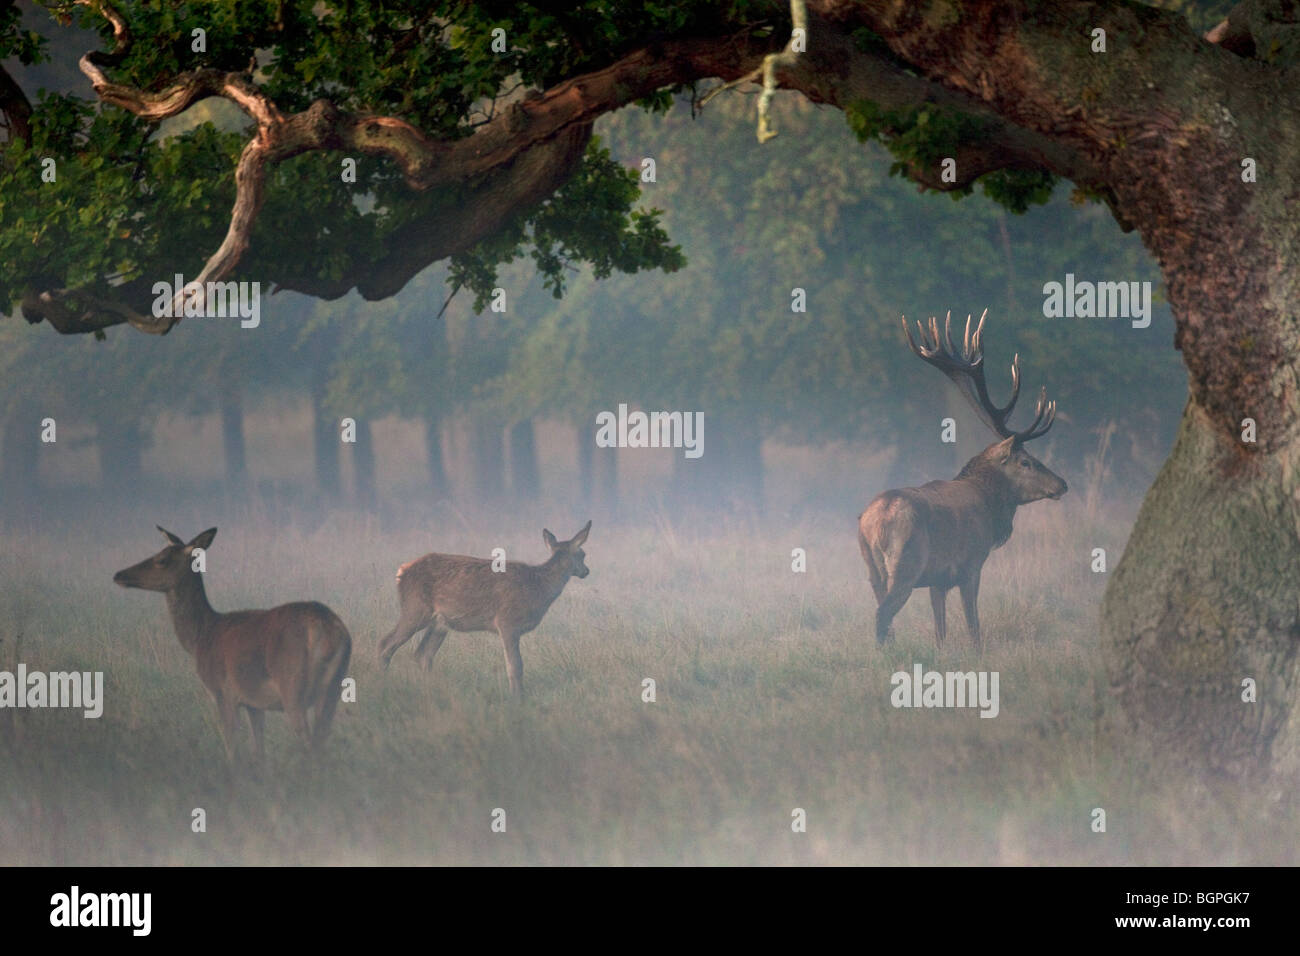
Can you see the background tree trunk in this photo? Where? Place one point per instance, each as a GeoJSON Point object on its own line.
{"type": "Point", "coordinates": [121, 446]}
{"type": "Point", "coordinates": [742, 467]}
{"type": "Point", "coordinates": [363, 465]}
{"type": "Point", "coordinates": [433, 457]}
{"type": "Point", "coordinates": [22, 436]}
{"type": "Point", "coordinates": [524, 479]}
{"type": "Point", "coordinates": [605, 480]}
{"type": "Point", "coordinates": [586, 465]}
{"type": "Point", "coordinates": [730, 472]}
{"type": "Point", "coordinates": [232, 434]}
{"type": "Point", "coordinates": [488, 461]}
{"type": "Point", "coordinates": [325, 444]}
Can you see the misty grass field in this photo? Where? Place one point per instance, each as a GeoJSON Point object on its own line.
{"type": "Point", "coordinates": [771, 695]}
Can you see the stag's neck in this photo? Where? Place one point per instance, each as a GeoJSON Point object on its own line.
{"type": "Point", "coordinates": [996, 490]}
{"type": "Point", "coordinates": [192, 615]}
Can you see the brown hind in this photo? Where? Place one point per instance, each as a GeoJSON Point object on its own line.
{"type": "Point", "coordinates": [442, 592]}
{"type": "Point", "coordinates": [290, 658]}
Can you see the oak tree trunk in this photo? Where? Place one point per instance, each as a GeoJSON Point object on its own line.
{"type": "Point", "coordinates": [1206, 596]}
{"type": "Point", "coordinates": [1207, 593]}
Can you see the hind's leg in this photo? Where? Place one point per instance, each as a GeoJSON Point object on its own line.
{"type": "Point", "coordinates": [256, 723]}
{"type": "Point", "coordinates": [228, 722]}
{"type": "Point", "coordinates": [329, 695]}
{"type": "Point", "coordinates": [414, 619]}
{"type": "Point", "coordinates": [296, 714]}
{"type": "Point", "coordinates": [429, 645]}
{"type": "Point", "coordinates": [514, 663]}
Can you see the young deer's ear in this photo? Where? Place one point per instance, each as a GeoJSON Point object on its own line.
{"type": "Point", "coordinates": [203, 540]}
{"type": "Point", "coordinates": [580, 538]}
{"type": "Point", "coordinates": [171, 538]}
{"type": "Point", "coordinates": [549, 539]}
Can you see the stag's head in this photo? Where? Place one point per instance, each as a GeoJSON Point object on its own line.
{"type": "Point", "coordinates": [1027, 477]}
{"type": "Point", "coordinates": [570, 552]}
{"type": "Point", "coordinates": [164, 570]}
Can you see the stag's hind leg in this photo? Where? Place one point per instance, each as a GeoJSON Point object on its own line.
{"type": "Point", "coordinates": [893, 602]}
{"type": "Point", "coordinates": [878, 575]}
{"type": "Point", "coordinates": [895, 547]}
{"type": "Point", "coordinates": [939, 604]}
{"type": "Point", "coordinates": [901, 572]}
{"type": "Point", "coordinates": [970, 593]}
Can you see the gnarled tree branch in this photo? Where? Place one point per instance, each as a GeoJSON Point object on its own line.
{"type": "Point", "coordinates": [496, 162]}
{"type": "Point", "coordinates": [938, 53]}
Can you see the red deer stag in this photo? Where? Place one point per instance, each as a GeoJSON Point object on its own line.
{"type": "Point", "coordinates": [939, 535]}
{"type": "Point", "coordinates": [290, 658]}
{"type": "Point", "coordinates": [442, 592]}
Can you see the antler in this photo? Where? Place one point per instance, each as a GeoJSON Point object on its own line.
{"type": "Point", "coordinates": [966, 370]}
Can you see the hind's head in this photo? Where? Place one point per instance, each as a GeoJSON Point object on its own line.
{"type": "Point", "coordinates": [570, 552]}
{"type": "Point", "coordinates": [165, 570]}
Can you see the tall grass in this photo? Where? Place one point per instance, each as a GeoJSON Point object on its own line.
{"type": "Point", "coordinates": [771, 695]}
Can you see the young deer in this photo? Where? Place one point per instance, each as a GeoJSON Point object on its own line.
{"type": "Point", "coordinates": [442, 592]}
{"type": "Point", "coordinates": [939, 535]}
{"type": "Point", "coordinates": [290, 658]}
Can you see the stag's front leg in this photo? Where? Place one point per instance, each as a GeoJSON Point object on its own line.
{"type": "Point", "coordinates": [939, 604]}
{"type": "Point", "coordinates": [970, 593]}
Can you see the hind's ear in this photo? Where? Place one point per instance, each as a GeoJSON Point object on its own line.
{"type": "Point", "coordinates": [581, 537]}
{"type": "Point", "coordinates": [549, 539]}
{"type": "Point", "coordinates": [171, 538]}
{"type": "Point", "coordinates": [203, 540]}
